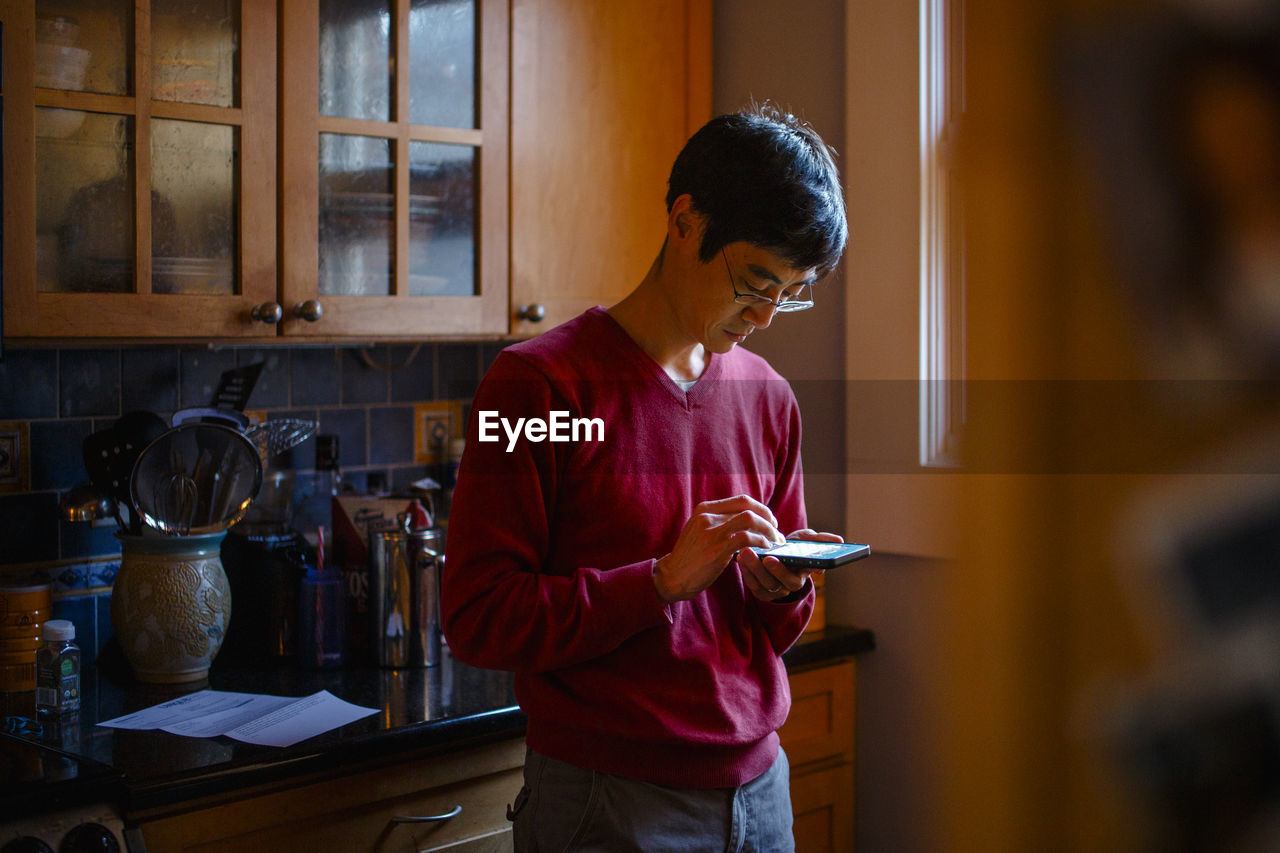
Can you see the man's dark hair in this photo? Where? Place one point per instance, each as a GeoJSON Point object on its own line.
{"type": "Point", "coordinates": [764, 177]}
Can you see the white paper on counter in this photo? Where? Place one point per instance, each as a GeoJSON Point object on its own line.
{"type": "Point", "coordinates": [249, 717]}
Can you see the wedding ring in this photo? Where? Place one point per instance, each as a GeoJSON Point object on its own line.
{"type": "Point", "coordinates": [777, 588]}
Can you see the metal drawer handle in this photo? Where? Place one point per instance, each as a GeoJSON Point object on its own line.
{"type": "Point", "coordinates": [430, 818]}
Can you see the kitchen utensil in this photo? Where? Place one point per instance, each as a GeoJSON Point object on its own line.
{"type": "Point", "coordinates": [110, 455]}
{"type": "Point", "coordinates": [280, 434]}
{"type": "Point", "coordinates": [86, 502]}
{"type": "Point", "coordinates": [179, 494]}
{"type": "Point", "coordinates": [235, 386]}
{"type": "Point", "coordinates": [176, 496]}
{"type": "Point", "coordinates": [206, 414]}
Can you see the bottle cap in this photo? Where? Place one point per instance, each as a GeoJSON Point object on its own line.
{"type": "Point", "coordinates": [59, 629]}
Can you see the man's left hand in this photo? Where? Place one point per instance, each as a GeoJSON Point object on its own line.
{"type": "Point", "coordinates": [768, 579]}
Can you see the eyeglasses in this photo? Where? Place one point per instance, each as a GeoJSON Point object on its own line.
{"type": "Point", "coordinates": [785, 302]}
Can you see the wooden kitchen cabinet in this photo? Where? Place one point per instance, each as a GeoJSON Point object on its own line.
{"type": "Point", "coordinates": [138, 167]}
{"type": "Point", "coordinates": [367, 184]}
{"type": "Point", "coordinates": [394, 167]}
{"type": "Point", "coordinates": [819, 740]}
{"type": "Point", "coordinates": [603, 96]}
{"type": "Point", "coordinates": [356, 813]}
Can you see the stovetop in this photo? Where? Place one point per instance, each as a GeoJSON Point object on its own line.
{"type": "Point", "coordinates": [48, 795]}
{"type": "Point", "coordinates": [35, 776]}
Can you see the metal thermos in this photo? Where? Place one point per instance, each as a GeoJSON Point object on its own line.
{"type": "Point", "coordinates": [404, 596]}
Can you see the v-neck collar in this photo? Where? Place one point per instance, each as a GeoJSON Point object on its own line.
{"type": "Point", "coordinates": [648, 364]}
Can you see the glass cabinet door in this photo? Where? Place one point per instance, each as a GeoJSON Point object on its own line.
{"type": "Point", "coordinates": [151, 167]}
{"type": "Point", "coordinates": [394, 163]}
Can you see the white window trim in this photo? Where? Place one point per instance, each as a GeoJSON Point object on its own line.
{"type": "Point", "coordinates": [941, 275]}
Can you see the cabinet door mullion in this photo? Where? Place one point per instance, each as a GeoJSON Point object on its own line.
{"type": "Point", "coordinates": [142, 145]}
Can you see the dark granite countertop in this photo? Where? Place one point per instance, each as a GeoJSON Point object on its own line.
{"type": "Point", "coordinates": [422, 712]}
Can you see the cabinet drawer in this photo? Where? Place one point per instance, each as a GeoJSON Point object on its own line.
{"type": "Point", "coordinates": [481, 824]}
{"type": "Point", "coordinates": [820, 725]}
{"type": "Point", "coordinates": [355, 813]}
{"type": "Point", "coordinates": [822, 806]}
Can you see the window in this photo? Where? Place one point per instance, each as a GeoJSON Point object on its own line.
{"type": "Point", "coordinates": [942, 318]}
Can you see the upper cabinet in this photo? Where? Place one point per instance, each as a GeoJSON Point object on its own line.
{"type": "Point", "coordinates": [336, 169]}
{"type": "Point", "coordinates": [603, 96]}
{"type": "Point", "coordinates": [393, 157]}
{"type": "Point", "coordinates": [139, 166]}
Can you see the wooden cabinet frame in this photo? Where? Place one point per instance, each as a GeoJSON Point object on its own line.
{"type": "Point", "coordinates": [29, 313]}
{"type": "Point", "coordinates": [301, 125]}
{"type": "Point", "coordinates": [604, 96]}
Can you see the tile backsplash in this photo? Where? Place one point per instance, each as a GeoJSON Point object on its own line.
{"type": "Point", "coordinates": [55, 397]}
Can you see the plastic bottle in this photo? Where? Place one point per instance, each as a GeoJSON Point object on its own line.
{"type": "Point", "coordinates": [58, 670]}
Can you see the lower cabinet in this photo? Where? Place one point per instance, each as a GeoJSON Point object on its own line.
{"type": "Point", "coordinates": [457, 802]}
{"type": "Point", "coordinates": [465, 795]}
{"type": "Point", "coordinates": [819, 739]}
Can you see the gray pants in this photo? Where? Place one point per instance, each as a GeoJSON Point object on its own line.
{"type": "Point", "coordinates": [566, 808]}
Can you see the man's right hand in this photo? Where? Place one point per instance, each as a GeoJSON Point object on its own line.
{"type": "Point", "coordinates": [717, 531]}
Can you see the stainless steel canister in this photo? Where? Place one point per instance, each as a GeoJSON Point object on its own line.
{"type": "Point", "coordinates": [404, 596]}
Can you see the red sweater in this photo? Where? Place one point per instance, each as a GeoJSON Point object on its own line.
{"type": "Point", "coordinates": [551, 549]}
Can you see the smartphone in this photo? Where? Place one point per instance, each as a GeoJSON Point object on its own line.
{"type": "Point", "coordinates": [803, 554]}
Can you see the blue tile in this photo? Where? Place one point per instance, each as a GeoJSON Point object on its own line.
{"type": "Point", "coordinates": [28, 384]}
{"type": "Point", "coordinates": [405, 476]}
{"type": "Point", "coordinates": [90, 382]}
{"type": "Point", "coordinates": [313, 377]}
{"type": "Point", "coordinates": [201, 370]}
{"type": "Point", "coordinates": [363, 383]}
{"type": "Point", "coordinates": [488, 352]}
{"type": "Point", "coordinates": [391, 435]}
{"type": "Point", "coordinates": [351, 428]}
{"type": "Point", "coordinates": [459, 366]}
{"type": "Point", "coordinates": [106, 630]}
{"type": "Point", "coordinates": [413, 375]}
{"type": "Point", "coordinates": [271, 391]}
{"type": "Point", "coordinates": [357, 481]}
{"type": "Point", "coordinates": [81, 540]}
{"type": "Point", "coordinates": [56, 458]}
{"type": "Point", "coordinates": [28, 528]}
{"type": "Point", "coordinates": [150, 380]}
{"type": "Point", "coordinates": [103, 573]}
{"type": "Point", "coordinates": [69, 578]}
{"type": "Point", "coordinates": [376, 482]}
{"type": "Point", "coordinates": [82, 610]}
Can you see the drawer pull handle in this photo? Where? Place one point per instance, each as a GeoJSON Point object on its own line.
{"type": "Point", "coordinates": [430, 818]}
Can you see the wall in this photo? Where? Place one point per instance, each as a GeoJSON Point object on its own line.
{"type": "Point", "coordinates": [858, 347]}
{"type": "Point", "coordinates": [792, 54]}
{"type": "Point", "coordinates": [365, 395]}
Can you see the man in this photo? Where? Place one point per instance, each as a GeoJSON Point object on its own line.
{"type": "Point", "coordinates": [609, 565]}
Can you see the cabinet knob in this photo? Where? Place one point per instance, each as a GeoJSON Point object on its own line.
{"type": "Point", "coordinates": [267, 312]}
{"type": "Point", "coordinates": [534, 313]}
{"type": "Point", "coordinates": [430, 818]}
{"type": "Point", "coordinates": [311, 310]}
